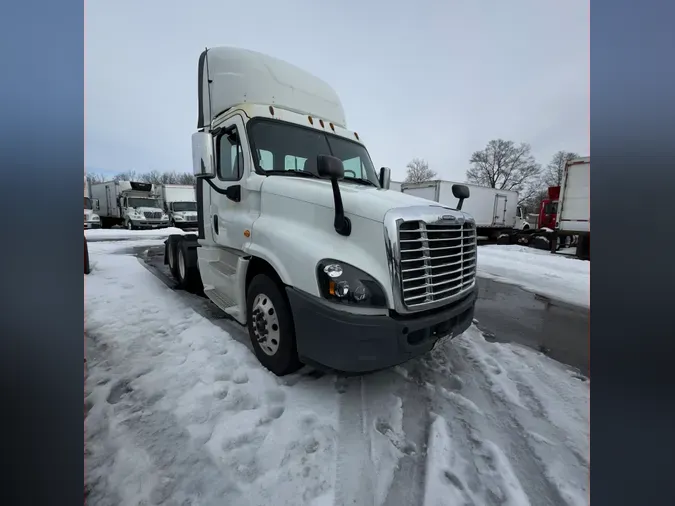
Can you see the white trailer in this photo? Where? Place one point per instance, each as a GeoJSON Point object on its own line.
{"type": "Point", "coordinates": [395, 185]}
{"type": "Point", "coordinates": [129, 203]}
{"type": "Point", "coordinates": [574, 208]}
{"type": "Point", "coordinates": [574, 205]}
{"type": "Point", "coordinates": [494, 210]}
{"type": "Point", "coordinates": [180, 203]}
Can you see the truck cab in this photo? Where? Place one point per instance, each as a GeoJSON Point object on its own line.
{"type": "Point", "coordinates": [140, 206]}
{"type": "Point", "coordinates": [182, 214]}
{"type": "Point", "coordinates": [91, 219]}
{"type": "Point", "coordinates": [548, 212]}
{"type": "Point", "coordinates": [298, 237]}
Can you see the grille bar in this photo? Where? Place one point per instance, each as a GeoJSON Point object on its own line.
{"type": "Point", "coordinates": [438, 262]}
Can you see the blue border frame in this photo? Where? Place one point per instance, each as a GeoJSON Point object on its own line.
{"type": "Point", "coordinates": [41, 155]}
{"type": "Point", "coordinates": [632, 280]}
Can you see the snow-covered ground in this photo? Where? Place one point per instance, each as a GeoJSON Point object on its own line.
{"type": "Point", "coordinates": [558, 276]}
{"type": "Point", "coordinates": [180, 412]}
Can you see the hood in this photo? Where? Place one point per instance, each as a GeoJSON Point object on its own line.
{"type": "Point", "coordinates": [360, 200]}
{"type": "Point", "coordinates": [149, 210]}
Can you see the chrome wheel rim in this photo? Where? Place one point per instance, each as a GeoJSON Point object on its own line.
{"type": "Point", "coordinates": [265, 324]}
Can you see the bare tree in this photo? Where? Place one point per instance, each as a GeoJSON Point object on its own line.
{"type": "Point", "coordinates": [553, 172]}
{"type": "Point", "coordinates": [129, 175]}
{"type": "Point", "coordinates": [94, 177]}
{"type": "Point", "coordinates": [418, 171]}
{"type": "Point", "coordinates": [506, 166]}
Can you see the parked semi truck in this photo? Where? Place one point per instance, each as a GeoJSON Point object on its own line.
{"type": "Point", "coordinates": [298, 238]}
{"type": "Point", "coordinates": [494, 210]}
{"type": "Point", "coordinates": [180, 203]}
{"type": "Point", "coordinates": [91, 219]}
{"type": "Point", "coordinates": [129, 203]}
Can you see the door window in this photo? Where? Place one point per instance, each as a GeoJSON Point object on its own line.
{"type": "Point", "coordinates": [230, 156]}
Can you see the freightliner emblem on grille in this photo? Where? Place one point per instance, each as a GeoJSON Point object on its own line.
{"type": "Point", "coordinates": [450, 218]}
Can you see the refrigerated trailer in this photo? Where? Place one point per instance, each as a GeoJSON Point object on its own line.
{"type": "Point", "coordinates": [180, 203]}
{"type": "Point", "coordinates": [299, 238]}
{"type": "Point", "coordinates": [129, 203]}
{"type": "Point", "coordinates": [494, 210]}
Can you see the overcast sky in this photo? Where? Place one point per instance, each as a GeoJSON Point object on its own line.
{"type": "Point", "coordinates": [428, 79]}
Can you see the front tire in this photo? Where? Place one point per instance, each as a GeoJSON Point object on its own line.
{"type": "Point", "coordinates": [270, 326]}
{"type": "Point", "coordinates": [130, 225]}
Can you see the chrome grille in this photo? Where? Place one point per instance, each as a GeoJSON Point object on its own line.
{"type": "Point", "coordinates": [150, 215]}
{"type": "Point", "coordinates": [438, 262]}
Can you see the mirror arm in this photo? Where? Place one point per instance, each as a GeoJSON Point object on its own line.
{"type": "Point", "coordinates": [342, 224]}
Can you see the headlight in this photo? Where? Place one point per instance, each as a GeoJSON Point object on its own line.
{"type": "Point", "coordinates": [178, 218]}
{"type": "Point", "coordinates": [344, 284]}
{"type": "Point", "coordinates": [95, 218]}
{"type": "Point", "coordinates": [165, 217]}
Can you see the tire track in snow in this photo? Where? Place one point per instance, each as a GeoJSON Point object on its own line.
{"type": "Point", "coordinates": [354, 474]}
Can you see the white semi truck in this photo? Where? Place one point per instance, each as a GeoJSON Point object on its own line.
{"type": "Point", "coordinates": [91, 219]}
{"type": "Point", "coordinates": [299, 238]}
{"type": "Point", "coordinates": [494, 211]}
{"type": "Point", "coordinates": [129, 203]}
{"type": "Point", "coordinates": [180, 203]}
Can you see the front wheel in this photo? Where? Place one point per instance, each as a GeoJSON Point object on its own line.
{"type": "Point", "coordinates": [270, 326]}
{"type": "Point", "coordinates": [129, 225]}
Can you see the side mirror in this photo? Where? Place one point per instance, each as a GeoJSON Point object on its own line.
{"type": "Point", "coordinates": [330, 167]}
{"type": "Point", "coordinates": [385, 177]}
{"type": "Point", "coordinates": [202, 155]}
{"type": "Point", "coordinates": [460, 191]}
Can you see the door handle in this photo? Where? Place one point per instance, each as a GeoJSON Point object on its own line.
{"type": "Point", "coordinates": [215, 223]}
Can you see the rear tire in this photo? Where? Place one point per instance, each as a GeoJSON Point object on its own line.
{"type": "Point", "coordinates": [171, 259]}
{"type": "Point", "coordinates": [186, 275]}
{"type": "Point", "coordinates": [269, 318]}
{"type": "Point", "coordinates": [87, 266]}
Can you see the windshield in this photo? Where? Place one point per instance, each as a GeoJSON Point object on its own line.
{"type": "Point", "coordinates": [142, 202]}
{"type": "Point", "coordinates": [87, 203]}
{"type": "Point", "coordinates": [184, 206]}
{"type": "Point", "coordinates": [281, 146]}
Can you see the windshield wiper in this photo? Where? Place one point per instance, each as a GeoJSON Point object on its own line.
{"type": "Point", "coordinates": [300, 173]}
{"type": "Point", "coordinates": [360, 181]}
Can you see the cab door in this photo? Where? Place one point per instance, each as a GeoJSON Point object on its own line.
{"type": "Point", "coordinates": [227, 219]}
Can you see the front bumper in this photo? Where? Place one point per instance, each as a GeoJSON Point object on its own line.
{"type": "Point", "coordinates": [150, 224]}
{"type": "Point", "coordinates": [361, 343]}
{"type": "Point", "coordinates": [92, 224]}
